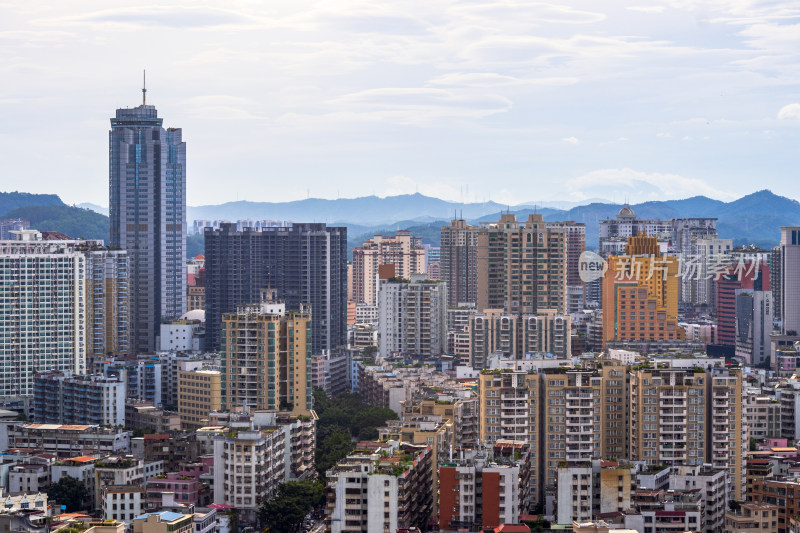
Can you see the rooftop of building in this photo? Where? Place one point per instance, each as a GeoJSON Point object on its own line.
{"type": "Point", "coordinates": [63, 427]}
{"type": "Point", "coordinates": [82, 459]}
{"type": "Point", "coordinates": [512, 528]}
{"type": "Point", "coordinates": [123, 488]}
{"type": "Point", "coordinates": [165, 516]}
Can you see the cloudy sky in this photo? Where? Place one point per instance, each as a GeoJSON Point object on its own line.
{"type": "Point", "coordinates": [512, 101]}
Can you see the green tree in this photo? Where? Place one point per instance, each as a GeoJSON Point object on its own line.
{"type": "Point", "coordinates": [540, 524]}
{"type": "Point", "coordinates": [67, 491]}
{"type": "Point", "coordinates": [141, 432]}
{"type": "Point", "coordinates": [372, 417]}
{"type": "Point", "coordinates": [332, 449]}
{"type": "Point", "coordinates": [335, 416]}
{"type": "Point", "coordinates": [295, 499]}
{"type": "Point", "coordinates": [233, 520]}
{"type": "Point", "coordinates": [342, 419]}
{"type": "Point", "coordinates": [369, 350]}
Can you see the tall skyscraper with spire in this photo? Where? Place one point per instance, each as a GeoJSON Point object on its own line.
{"type": "Point", "coordinates": [147, 199]}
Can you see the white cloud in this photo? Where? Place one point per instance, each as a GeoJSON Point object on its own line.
{"type": "Point", "coordinates": [177, 17]}
{"type": "Point", "coordinates": [318, 91]}
{"type": "Point", "coordinates": [419, 105]}
{"type": "Point", "coordinates": [647, 9]}
{"type": "Point", "coordinates": [790, 111]}
{"type": "Point", "coordinates": [491, 79]}
{"type": "Point", "coordinates": [640, 186]}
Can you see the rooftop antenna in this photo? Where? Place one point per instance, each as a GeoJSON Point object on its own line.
{"type": "Point", "coordinates": [144, 87]}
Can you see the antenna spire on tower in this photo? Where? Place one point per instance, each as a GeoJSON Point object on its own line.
{"type": "Point", "coordinates": [144, 87]}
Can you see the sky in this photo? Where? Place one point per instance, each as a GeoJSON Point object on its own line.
{"type": "Point", "coordinates": [511, 101]}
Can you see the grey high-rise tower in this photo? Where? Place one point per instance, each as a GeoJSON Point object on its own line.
{"type": "Point", "coordinates": [147, 199]}
{"type": "Point", "coordinates": [304, 264]}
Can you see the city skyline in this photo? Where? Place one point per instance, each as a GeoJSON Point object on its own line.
{"type": "Point", "coordinates": [551, 102]}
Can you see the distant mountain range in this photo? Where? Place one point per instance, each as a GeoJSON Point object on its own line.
{"type": "Point", "coordinates": [366, 210]}
{"type": "Point", "coordinates": [752, 219]}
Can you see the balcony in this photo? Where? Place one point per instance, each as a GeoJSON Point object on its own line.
{"type": "Point", "coordinates": [579, 395]}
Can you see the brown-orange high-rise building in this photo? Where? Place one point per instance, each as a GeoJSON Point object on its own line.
{"type": "Point", "coordinates": [640, 294]}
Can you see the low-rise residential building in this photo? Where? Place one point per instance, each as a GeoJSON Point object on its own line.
{"type": "Point", "coordinates": [671, 511]}
{"type": "Point", "coordinates": [206, 522]}
{"type": "Point", "coordinates": [462, 413]}
{"type": "Point", "coordinates": [380, 487]}
{"type": "Point", "coordinates": [752, 518]}
{"type": "Point", "coordinates": [712, 483]}
{"type": "Point", "coordinates": [497, 483]}
{"type": "Point", "coordinates": [578, 491]}
{"type": "Point", "coordinates": [122, 502]}
{"type": "Point", "coordinates": [249, 465]}
{"type": "Point", "coordinates": [80, 468]}
{"type": "Point", "coordinates": [36, 501]}
{"type": "Point", "coordinates": [185, 489]}
{"type": "Point", "coordinates": [762, 415]}
{"type": "Point", "coordinates": [61, 398]}
{"type": "Point", "coordinates": [104, 526]}
{"type": "Point", "coordinates": [785, 494]}
{"type": "Point", "coordinates": [69, 440]}
{"type": "Point", "coordinates": [173, 449]}
{"type": "Point", "coordinates": [123, 471]}
{"type": "Point", "coordinates": [147, 416]}
{"type": "Point", "coordinates": [30, 476]}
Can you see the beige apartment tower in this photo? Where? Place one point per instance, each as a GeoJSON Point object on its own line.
{"type": "Point", "coordinates": [199, 393]}
{"type": "Point", "coordinates": [510, 410]}
{"type": "Point", "coordinates": [265, 358]}
{"type": "Point", "coordinates": [522, 266]}
{"type": "Point", "coordinates": [108, 303]}
{"type": "Point", "coordinates": [688, 417]}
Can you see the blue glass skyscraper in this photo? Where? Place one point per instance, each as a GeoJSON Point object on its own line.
{"type": "Point", "coordinates": [147, 199]}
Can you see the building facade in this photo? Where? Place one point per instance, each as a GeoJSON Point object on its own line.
{"type": "Point", "coordinates": [373, 492]}
{"type": "Point", "coordinates": [575, 243]}
{"type": "Point", "coordinates": [515, 336]}
{"type": "Point", "coordinates": [108, 302]}
{"type": "Point", "coordinates": [266, 358]}
{"type": "Point", "coordinates": [147, 217]}
{"type": "Point", "coordinates": [44, 322]}
{"type": "Point", "coordinates": [459, 262]}
{"type": "Point", "coordinates": [60, 398]}
{"type": "Point", "coordinates": [790, 281]}
{"type": "Point", "coordinates": [754, 323]}
{"type": "Point", "coordinates": [199, 393]}
{"type": "Point", "coordinates": [522, 266]}
{"type": "Point", "coordinates": [402, 250]}
{"type": "Point", "coordinates": [304, 263]}
{"type": "Point", "coordinates": [412, 316]}
{"type": "Point", "coordinates": [640, 294]}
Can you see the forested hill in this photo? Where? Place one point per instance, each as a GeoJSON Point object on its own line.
{"type": "Point", "coordinates": [46, 212]}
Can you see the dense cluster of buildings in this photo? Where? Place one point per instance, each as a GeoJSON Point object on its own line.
{"type": "Point", "coordinates": [653, 390]}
